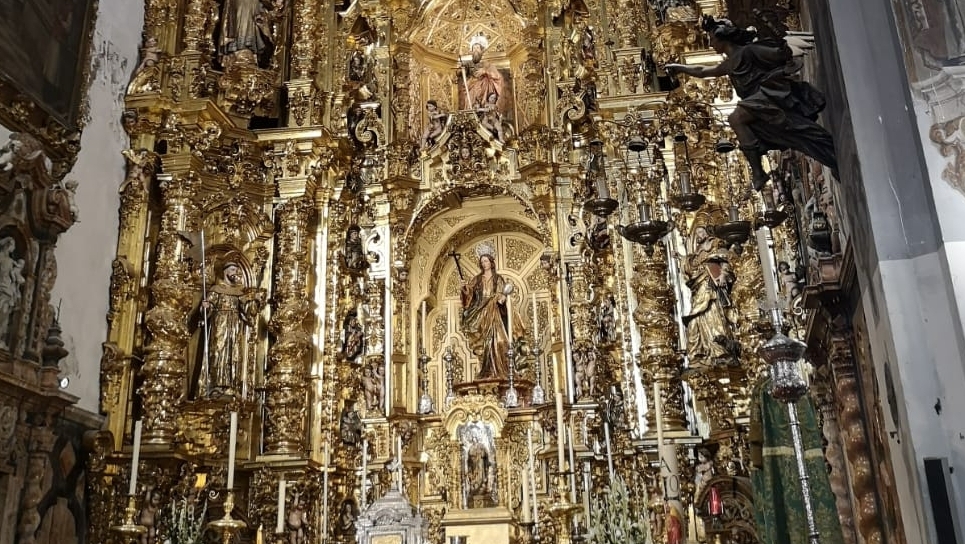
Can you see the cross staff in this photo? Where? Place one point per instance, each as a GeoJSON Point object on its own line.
{"type": "Point", "coordinates": [455, 256]}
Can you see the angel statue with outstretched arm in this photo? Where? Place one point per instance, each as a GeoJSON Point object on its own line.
{"type": "Point", "coordinates": [776, 111]}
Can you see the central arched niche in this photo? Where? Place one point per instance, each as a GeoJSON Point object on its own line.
{"type": "Point", "coordinates": [501, 221]}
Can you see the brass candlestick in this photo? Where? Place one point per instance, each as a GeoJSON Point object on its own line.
{"type": "Point", "coordinates": [563, 510]}
{"type": "Point", "coordinates": [227, 525]}
{"type": "Point", "coordinates": [130, 531]}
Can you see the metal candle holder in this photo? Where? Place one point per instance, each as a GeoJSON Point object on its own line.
{"type": "Point", "coordinates": [788, 386]}
{"type": "Point", "coordinates": [130, 531]}
{"type": "Point", "coordinates": [448, 358]}
{"type": "Point", "coordinates": [511, 399]}
{"type": "Point", "coordinates": [563, 510]}
{"type": "Point", "coordinates": [539, 396]}
{"type": "Point", "coordinates": [227, 525]}
{"type": "Point", "coordinates": [425, 401]}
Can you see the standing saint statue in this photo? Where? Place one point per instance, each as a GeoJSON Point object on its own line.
{"type": "Point", "coordinates": [484, 318]}
{"type": "Point", "coordinates": [710, 337]}
{"type": "Point", "coordinates": [477, 466]}
{"type": "Point", "coordinates": [244, 27]}
{"type": "Point", "coordinates": [481, 78]}
{"type": "Point", "coordinates": [231, 310]}
{"type": "Point", "coordinates": [11, 283]}
{"type": "Point", "coordinates": [350, 425]}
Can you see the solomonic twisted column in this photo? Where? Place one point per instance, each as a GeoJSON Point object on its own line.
{"type": "Point", "coordinates": [654, 316]}
{"type": "Point", "coordinates": [165, 369]}
{"type": "Point", "coordinates": [288, 358]}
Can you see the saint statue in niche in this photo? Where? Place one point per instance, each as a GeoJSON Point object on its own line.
{"type": "Point", "coordinates": [709, 276]}
{"type": "Point", "coordinates": [230, 311]}
{"type": "Point", "coordinates": [11, 284]}
{"type": "Point", "coordinates": [245, 30]}
{"type": "Point", "coordinates": [485, 320]}
{"type": "Point", "coordinates": [354, 252]}
{"type": "Point", "coordinates": [479, 464]}
{"type": "Point", "coordinates": [481, 77]}
{"type": "Point", "coordinates": [485, 89]}
{"type": "Point", "coordinates": [353, 339]}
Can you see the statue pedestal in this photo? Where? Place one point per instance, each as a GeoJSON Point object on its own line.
{"type": "Point", "coordinates": [481, 525]}
{"type": "Point", "coordinates": [496, 387]}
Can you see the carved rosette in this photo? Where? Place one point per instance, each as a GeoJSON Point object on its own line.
{"type": "Point", "coordinates": [654, 315]}
{"type": "Point", "coordinates": [165, 370]}
{"type": "Point", "coordinates": [286, 382]}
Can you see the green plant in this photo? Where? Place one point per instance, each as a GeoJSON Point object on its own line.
{"type": "Point", "coordinates": [185, 523]}
{"type": "Point", "coordinates": [612, 520]}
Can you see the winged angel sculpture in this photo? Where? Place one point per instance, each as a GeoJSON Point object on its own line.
{"type": "Point", "coordinates": [776, 110]}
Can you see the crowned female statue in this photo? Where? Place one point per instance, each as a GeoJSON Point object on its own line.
{"type": "Point", "coordinates": [485, 318]}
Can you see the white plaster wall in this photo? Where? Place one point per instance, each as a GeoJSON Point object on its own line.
{"type": "Point", "coordinates": [84, 253]}
{"type": "Point", "coordinates": [926, 363]}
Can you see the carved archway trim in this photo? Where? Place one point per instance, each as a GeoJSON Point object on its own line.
{"type": "Point", "coordinates": [470, 408]}
{"type": "Point", "coordinates": [441, 201]}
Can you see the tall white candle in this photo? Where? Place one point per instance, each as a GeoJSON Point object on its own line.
{"type": "Point", "coordinates": [560, 429]}
{"type": "Point", "coordinates": [609, 451]}
{"type": "Point", "coordinates": [691, 524]}
{"type": "Point", "coordinates": [535, 320]}
{"type": "Point", "coordinates": [658, 414]}
{"type": "Point", "coordinates": [325, 459]}
{"type": "Point", "coordinates": [532, 469]}
{"type": "Point", "coordinates": [509, 313]}
{"type": "Point", "coordinates": [532, 481]}
{"type": "Point", "coordinates": [365, 467]}
{"type": "Point", "coordinates": [525, 514]}
{"type": "Point", "coordinates": [398, 450]}
{"type": "Point", "coordinates": [569, 438]}
{"type": "Point", "coordinates": [280, 522]}
{"type": "Point", "coordinates": [232, 444]}
{"type": "Point", "coordinates": [425, 328]}
{"type": "Point", "coordinates": [135, 457]}
{"type": "Point", "coordinates": [767, 265]}
{"type": "Point", "coordinates": [586, 491]}
{"type": "Point", "coordinates": [557, 384]}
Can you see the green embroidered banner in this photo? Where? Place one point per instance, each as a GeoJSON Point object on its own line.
{"type": "Point", "coordinates": [778, 503]}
